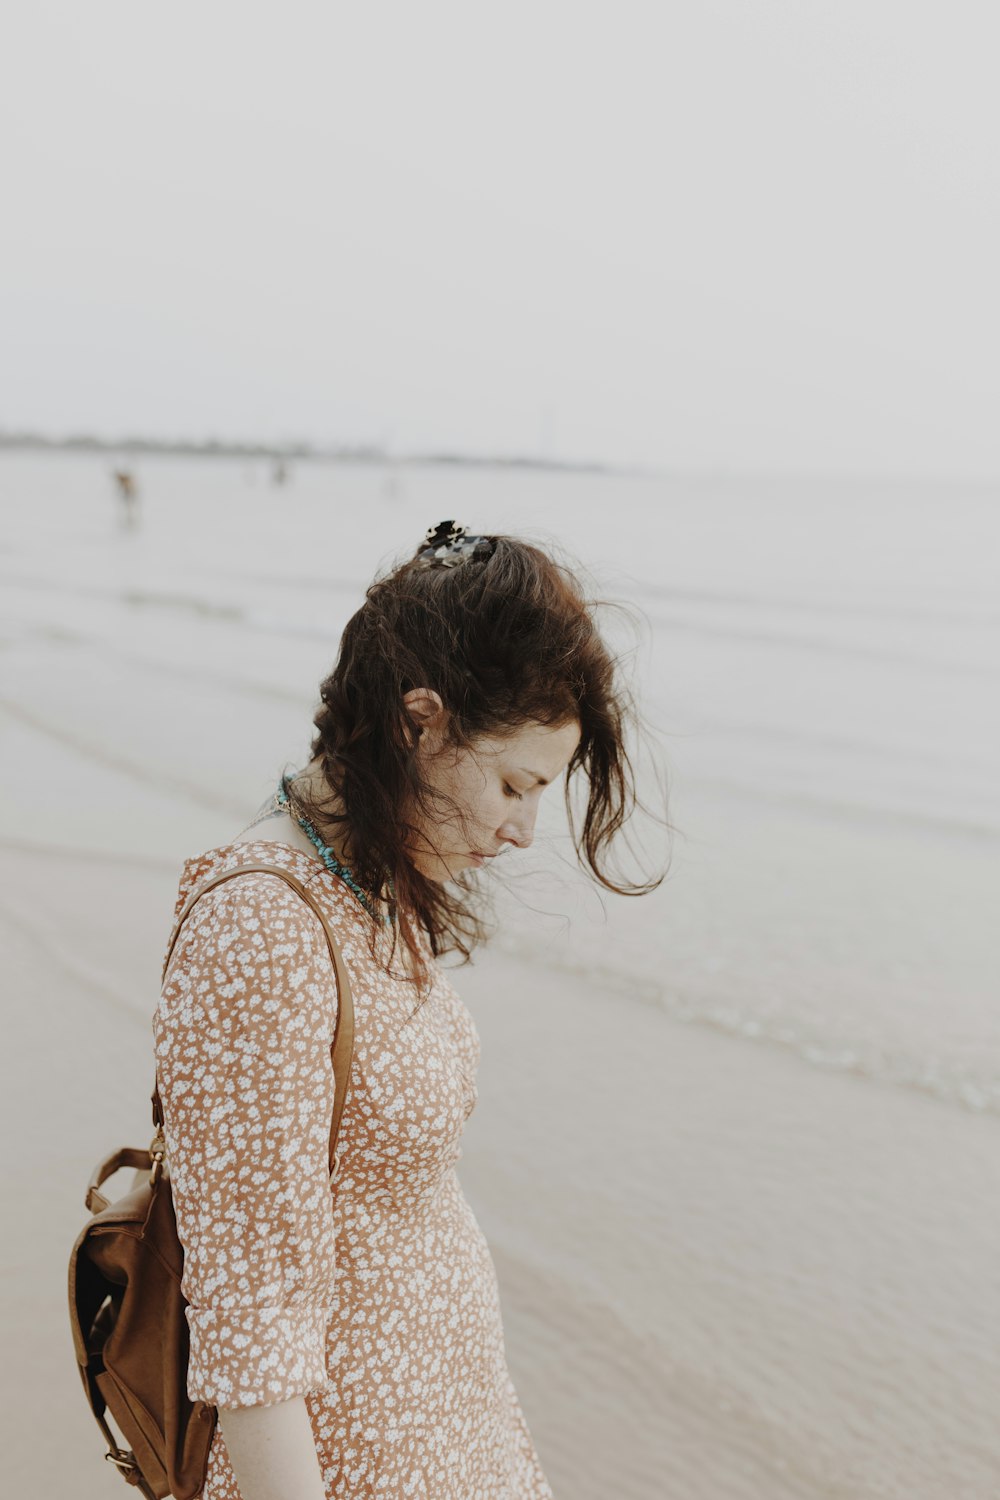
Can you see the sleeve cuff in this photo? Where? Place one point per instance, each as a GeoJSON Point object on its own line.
{"type": "Point", "coordinates": [255, 1356]}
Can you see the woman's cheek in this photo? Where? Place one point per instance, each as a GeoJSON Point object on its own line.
{"type": "Point", "coordinates": [482, 819]}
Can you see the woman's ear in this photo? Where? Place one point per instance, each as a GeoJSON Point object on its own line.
{"type": "Point", "coordinates": [426, 712]}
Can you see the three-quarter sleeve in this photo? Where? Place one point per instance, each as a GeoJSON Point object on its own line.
{"type": "Point", "coordinates": [242, 1037]}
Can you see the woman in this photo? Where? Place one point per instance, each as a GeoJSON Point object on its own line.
{"type": "Point", "coordinates": [352, 1339]}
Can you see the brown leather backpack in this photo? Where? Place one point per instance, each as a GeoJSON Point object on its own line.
{"type": "Point", "coordinates": [125, 1303]}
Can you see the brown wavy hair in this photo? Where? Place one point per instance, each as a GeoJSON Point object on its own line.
{"type": "Point", "coordinates": [507, 637]}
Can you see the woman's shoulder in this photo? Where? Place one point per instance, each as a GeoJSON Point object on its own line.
{"type": "Point", "coordinates": [251, 912]}
{"type": "Point", "coordinates": [251, 960]}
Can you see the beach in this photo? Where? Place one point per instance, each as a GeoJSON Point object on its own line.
{"type": "Point", "coordinates": [736, 1143]}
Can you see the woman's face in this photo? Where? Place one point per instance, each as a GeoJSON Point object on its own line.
{"type": "Point", "coordinates": [489, 793]}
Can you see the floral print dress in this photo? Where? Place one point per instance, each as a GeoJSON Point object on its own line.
{"type": "Point", "coordinates": [375, 1299]}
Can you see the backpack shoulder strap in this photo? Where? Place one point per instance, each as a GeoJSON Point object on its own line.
{"type": "Point", "coordinates": [343, 1036]}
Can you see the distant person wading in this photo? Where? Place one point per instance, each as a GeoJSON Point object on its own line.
{"type": "Point", "coordinates": [128, 493]}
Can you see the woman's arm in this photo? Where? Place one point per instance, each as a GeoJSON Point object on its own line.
{"type": "Point", "coordinates": [272, 1451]}
{"type": "Point", "coordinates": [243, 1033]}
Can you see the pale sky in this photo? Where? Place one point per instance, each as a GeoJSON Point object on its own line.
{"type": "Point", "coordinates": [724, 235]}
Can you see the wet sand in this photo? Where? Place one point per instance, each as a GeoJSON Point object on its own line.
{"type": "Point", "coordinates": [736, 1152]}
{"type": "Point", "coordinates": [704, 1293]}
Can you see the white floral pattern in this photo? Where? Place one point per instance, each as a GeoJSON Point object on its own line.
{"type": "Point", "coordinates": [378, 1300]}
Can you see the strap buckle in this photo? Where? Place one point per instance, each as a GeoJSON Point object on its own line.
{"type": "Point", "coordinates": [157, 1156]}
{"type": "Point", "coordinates": [124, 1462]}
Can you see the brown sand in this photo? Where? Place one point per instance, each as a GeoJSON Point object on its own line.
{"type": "Point", "coordinates": [705, 1294]}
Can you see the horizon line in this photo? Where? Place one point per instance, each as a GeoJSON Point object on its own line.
{"type": "Point", "coordinates": [303, 450]}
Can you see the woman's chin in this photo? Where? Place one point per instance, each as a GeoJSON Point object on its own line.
{"type": "Point", "coordinates": [448, 867]}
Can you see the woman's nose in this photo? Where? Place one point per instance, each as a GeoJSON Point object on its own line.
{"type": "Point", "coordinates": [520, 833]}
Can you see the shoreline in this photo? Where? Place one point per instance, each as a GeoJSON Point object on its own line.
{"type": "Point", "coordinates": [728, 1271]}
{"type": "Point", "coordinates": [346, 453]}
{"type": "Point", "coordinates": [711, 1259]}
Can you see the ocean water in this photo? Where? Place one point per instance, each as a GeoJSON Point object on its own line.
{"type": "Point", "coordinates": [817, 665]}
{"type": "Point", "coordinates": [736, 1145]}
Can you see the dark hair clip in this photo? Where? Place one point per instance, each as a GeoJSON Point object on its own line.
{"type": "Point", "coordinates": [448, 543]}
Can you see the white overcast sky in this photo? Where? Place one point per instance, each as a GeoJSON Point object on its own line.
{"type": "Point", "coordinates": [725, 234]}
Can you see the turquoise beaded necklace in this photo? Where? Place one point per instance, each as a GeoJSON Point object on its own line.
{"type": "Point", "coordinates": [326, 854]}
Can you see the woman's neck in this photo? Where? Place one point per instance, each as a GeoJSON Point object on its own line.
{"type": "Point", "coordinates": [312, 782]}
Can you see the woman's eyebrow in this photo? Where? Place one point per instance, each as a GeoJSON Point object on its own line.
{"type": "Point", "coordinates": [540, 779]}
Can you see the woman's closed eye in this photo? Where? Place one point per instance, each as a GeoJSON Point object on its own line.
{"type": "Point", "coordinates": [509, 791]}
